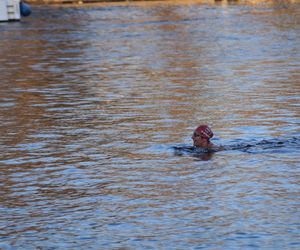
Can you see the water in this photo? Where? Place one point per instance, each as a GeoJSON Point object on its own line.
{"type": "Point", "coordinates": [93, 101]}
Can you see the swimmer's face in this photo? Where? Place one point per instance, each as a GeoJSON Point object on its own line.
{"type": "Point", "coordinates": [199, 140]}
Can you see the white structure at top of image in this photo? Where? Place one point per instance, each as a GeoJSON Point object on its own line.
{"type": "Point", "coordinates": [9, 10]}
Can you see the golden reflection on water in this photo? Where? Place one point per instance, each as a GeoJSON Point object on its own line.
{"type": "Point", "coordinates": [91, 105]}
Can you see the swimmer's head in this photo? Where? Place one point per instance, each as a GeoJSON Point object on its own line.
{"type": "Point", "coordinates": [201, 137]}
{"type": "Point", "coordinates": [204, 131]}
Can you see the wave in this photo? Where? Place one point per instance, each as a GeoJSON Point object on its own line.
{"type": "Point", "coordinates": [276, 145]}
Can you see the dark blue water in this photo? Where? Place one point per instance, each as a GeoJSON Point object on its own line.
{"type": "Point", "coordinates": [97, 108]}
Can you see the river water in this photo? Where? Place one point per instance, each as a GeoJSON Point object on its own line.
{"type": "Point", "coordinates": [94, 99]}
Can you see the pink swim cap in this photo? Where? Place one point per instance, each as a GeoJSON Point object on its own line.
{"type": "Point", "coordinates": [204, 131]}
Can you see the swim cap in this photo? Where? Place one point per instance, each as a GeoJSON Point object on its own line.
{"type": "Point", "coordinates": [205, 131]}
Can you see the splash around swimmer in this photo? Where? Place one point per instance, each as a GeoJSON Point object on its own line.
{"type": "Point", "coordinates": [204, 148]}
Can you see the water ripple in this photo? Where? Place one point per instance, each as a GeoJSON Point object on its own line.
{"type": "Point", "coordinates": [94, 99]}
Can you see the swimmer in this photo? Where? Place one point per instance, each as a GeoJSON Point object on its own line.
{"type": "Point", "coordinates": [203, 148]}
{"type": "Point", "coordinates": [202, 136]}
